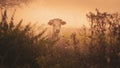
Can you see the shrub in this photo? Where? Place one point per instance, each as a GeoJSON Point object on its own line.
{"type": "Point", "coordinates": [104, 38]}
{"type": "Point", "coordinates": [19, 46]}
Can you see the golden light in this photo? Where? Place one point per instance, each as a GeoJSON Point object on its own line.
{"type": "Point", "coordinates": [73, 12]}
{"type": "Point", "coordinates": [42, 13]}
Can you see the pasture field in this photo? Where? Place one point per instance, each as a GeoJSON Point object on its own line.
{"type": "Point", "coordinates": [94, 47]}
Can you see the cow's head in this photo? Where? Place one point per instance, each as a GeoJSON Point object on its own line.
{"type": "Point", "coordinates": [56, 23]}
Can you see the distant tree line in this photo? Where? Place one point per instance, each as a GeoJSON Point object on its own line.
{"type": "Point", "coordinates": [12, 3]}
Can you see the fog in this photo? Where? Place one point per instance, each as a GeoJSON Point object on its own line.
{"type": "Point", "coordinates": [72, 11]}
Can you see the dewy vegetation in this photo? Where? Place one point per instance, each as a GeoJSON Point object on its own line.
{"type": "Point", "coordinates": [20, 47]}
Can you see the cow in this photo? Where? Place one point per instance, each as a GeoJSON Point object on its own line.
{"type": "Point", "coordinates": [56, 24]}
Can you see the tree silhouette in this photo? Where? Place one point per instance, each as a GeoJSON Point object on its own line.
{"type": "Point", "coordinates": [12, 3]}
{"type": "Point", "coordinates": [105, 34]}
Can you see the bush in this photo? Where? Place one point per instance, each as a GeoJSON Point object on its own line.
{"type": "Point", "coordinates": [104, 45]}
{"type": "Point", "coordinates": [19, 46]}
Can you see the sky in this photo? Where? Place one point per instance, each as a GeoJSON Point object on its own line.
{"type": "Point", "coordinates": [72, 11]}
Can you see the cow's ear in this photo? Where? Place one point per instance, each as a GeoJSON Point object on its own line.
{"type": "Point", "coordinates": [50, 22]}
{"type": "Point", "coordinates": [63, 22]}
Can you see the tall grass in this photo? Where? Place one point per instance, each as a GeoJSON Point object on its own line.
{"type": "Point", "coordinates": [19, 46]}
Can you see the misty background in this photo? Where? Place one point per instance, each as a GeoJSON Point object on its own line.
{"type": "Point", "coordinates": [72, 11]}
